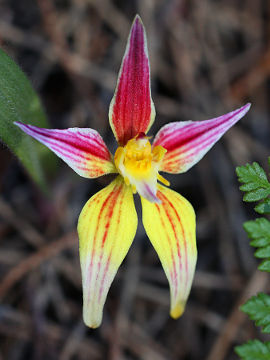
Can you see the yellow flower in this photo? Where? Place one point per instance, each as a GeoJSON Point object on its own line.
{"type": "Point", "coordinates": [108, 221]}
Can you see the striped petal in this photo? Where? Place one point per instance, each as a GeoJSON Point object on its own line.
{"type": "Point", "coordinates": [188, 141]}
{"type": "Point", "coordinates": [170, 227]}
{"type": "Point", "coordinates": [82, 149]}
{"type": "Point", "coordinates": [107, 226]}
{"type": "Point", "coordinates": [132, 110]}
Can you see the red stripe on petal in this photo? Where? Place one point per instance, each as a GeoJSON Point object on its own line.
{"type": "Point", "coordinates": [183, 235]}
{"type": "Point", "coordinates": [105, 233]}
{"type": "Point", "coordinates": [72, 139]}
{"type": "Point", "coordinates": [82, 149]}
{"type": "Point", "coordinates": [106, 270]}
{"type": "Point", "coordinates": [187, 142]}
{"type": "Point", "coordinates": [170, 227]}
{"type": "Point", "coordinates": [131, 109]}
{"type": "Point", "coordinates": [174, 272]}
{"type": "Point", "coordinates": [192, 132]}
{"type": "Point", "coordinates": [106, 206]}
{"type": "Point", "coordinates": [168, 206]}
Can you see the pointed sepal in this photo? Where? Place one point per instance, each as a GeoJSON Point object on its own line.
{"type": "Point", "coordinates": [82, 149]}
{"type": "Point", "coordinates": [187, 142]}
{"type": "Point", "coordinates": [170, 227]}
{"type": "Point", "coordinates": [132, 110]}
{"type": "Point", "coordinates": [106, 227]}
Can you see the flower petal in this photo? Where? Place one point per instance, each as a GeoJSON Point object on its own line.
{"type": "Point", "coordinates": [82, 149]}
{"type": "Point", "coordinates": [188, 141]}
{"type": "Point", "coordinates": [132, 110]}
{"type": "Point", "coordinates": [107, 226]}
{"type": "Point", "coordinates": [147, 189]}
{"type": "Point", "coordinates": [170, 227]}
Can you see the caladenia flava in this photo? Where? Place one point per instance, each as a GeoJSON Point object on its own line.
{"type": "Point", "coordinates": [108, 221]}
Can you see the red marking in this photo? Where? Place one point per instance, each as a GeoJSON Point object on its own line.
{"type": "Point", "coordinates": [174, 160]}
{"type": "Point", "coordinates": [183, 136]}
{"type": "Point", "coordinates": [110, 255]}
{"type": "Point", "coordinates": [109, 214]}
{"type": "Point", "coordinates": [70, 155]}
{"type": "Point", "coordinates": [141, 135]}
{"type": "Point", "coordinates": [120, 200]}
{"type": "Point", "coordinates": [103, 277]}
{"type": "Point", "coordinates": [82, 164]}
{"type": "Point", "coordinates": [132, 108]}
{"type": "Point", "coordinates": [162, 198]}
{"type": "Point", "coordinates": [200, 145]}
{"type": "Point", "coordinates": [74, 141]}
{"type": "Point", "coordinates": [109, 206]}
{"type": "Point", "coordinates": [183, 236]}
{"type": "Point", "coordinates": [103, 208]}
{"type": "Point", "coordinates": [174, 274]}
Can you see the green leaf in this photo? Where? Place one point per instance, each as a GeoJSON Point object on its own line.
{"type": "Point", "coordinates": [259, 233]}
{"type": "Point", "coordinates": [257, 187]}
{"type": "Point", "coordinates": [263, 252]}
{"type": "Point", "coordinates": [264, 207]}
{"type": "Point", "coordinates": [258, 309]}
{"type": "Point", "coordinates": [19, 102]}
{"type": "Point", "coordinates": [265, 265]}
{"type": "Point", "coordinates": [255, 182]}
{"type": "Point", "coordinates": [254, 350]}
{"type": "Point", "coordinates": [256, 195]}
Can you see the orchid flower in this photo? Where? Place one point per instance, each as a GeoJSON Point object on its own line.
{"type": "Point", "coordinates": [108, 221]}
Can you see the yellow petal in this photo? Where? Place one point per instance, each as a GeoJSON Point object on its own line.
{"type": "Point", "coordinates": [107, 226]}
{"type": "Point", "coordinates": [170, 227]}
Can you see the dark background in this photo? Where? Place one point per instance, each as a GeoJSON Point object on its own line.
{"type": "Point", "coordinates": [207, 58]}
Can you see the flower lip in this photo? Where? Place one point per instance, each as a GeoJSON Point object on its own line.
{"type": "Point", "coordinates": [138, 162]}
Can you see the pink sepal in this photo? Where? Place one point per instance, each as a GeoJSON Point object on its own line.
{"type": "Point", "coordinates": [82, 149]}
{"type": "Point", "coordinates": [188, 141]}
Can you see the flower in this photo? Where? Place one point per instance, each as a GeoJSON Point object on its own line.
{"type": "Point", "coordinates": [108, 221]}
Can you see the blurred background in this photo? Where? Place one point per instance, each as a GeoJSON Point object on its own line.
{"type": "Point", "coordinates": [207, 58]}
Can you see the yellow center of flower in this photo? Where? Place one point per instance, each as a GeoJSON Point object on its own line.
{"type": "Point", "coordinates": [138, 161]}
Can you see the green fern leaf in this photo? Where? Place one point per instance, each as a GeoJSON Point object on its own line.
{"type": "Point", "coordinates": [254, 350]}
{"type": "Point", "coordinates": [258, 309]}
{"type": "Point", "coordinates": [263, 207]}
{"type": "Point", "coordinates": [255, 182]}
{"type": "Point", "coordinates": [259, 233]}
{"type": "Point", "coordinates": [257, 187]}
{"type": "Point", "coordinates": [265, 266]}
